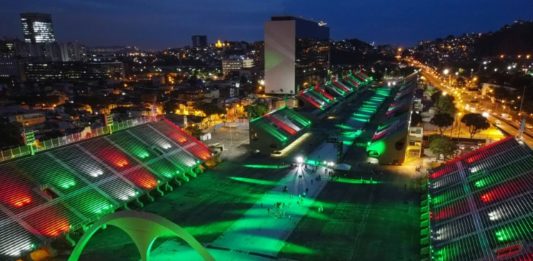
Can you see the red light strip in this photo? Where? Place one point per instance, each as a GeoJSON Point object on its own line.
{"type": "Point", "coordinates": [504, 190]}
{"type": "Point", "coordinates": [310, 100]}
{"type": "Point", "coordinates": [363, 74]}
{"type": "Point", "coordinates": [447, 169]}
{"type": "Point", "coordinates": [358, 75]}
{"type": "Point", "coordinates": [355, 83]}
{"type": "Point", "coordinates": [327, 95]}
{"type": "Point", "coordinates": [451, 163]}
{"type": "Point", "coordinates": [114, 157]}
{"type": "Point", "coordinates": [15, 193]}
{"type": "Point", "coordinates": [282, 125]}
{"type": "Point", "coordinates": [142, 178]}
{"type": "Point", "coordinates": [346, 89]}
{"type": "Point", "coordinates": [480, 153]}
{"type": "Point", "coordinates": [204, 153]}
{"type": "Point", "coordinates": [450, 211]}
{"type": "Point", "coordinates": [49, 222]}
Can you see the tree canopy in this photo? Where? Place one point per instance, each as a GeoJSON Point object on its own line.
{"type": "Point", "coordinates": [209, 108]}
{"type": "Point", "coordinates": [442, 121]}
{"type": "Point", "coordinates": [445, 104]}
{"type": "Point", "coordinates": [256, 110]}
{"type": "Point", "coordinates": [475, 123]}
{"type": "Point", "coordinates": [442, 145]}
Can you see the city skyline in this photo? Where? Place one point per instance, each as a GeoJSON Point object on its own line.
{"type": "Point", "coordinates": [172, 24]}
{"type": "Point", "coordinates": [266, 130]}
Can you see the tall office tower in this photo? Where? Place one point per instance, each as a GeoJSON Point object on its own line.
{"type": "Point", "coordinates": [199, 41]}
{"type": "Point", "coordinates": [296, 54]}
{"type": "Point", "coordinates": [37, 28]}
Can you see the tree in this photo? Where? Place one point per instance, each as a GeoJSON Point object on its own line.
{"type": "Point", "coordinates": [442, 121]}
{"type": "Point", "coordinates": [435, 95]}
{"type": "Point", "coordinates": [442, 145]}
{"type": "Point", "coordinates": [445, 104]}
{"type": "Point", "coordinates": [256, 110]}
{"type": "Point", "coordinates": [475, 123]}
{"type": "Point", "coordinates": [209, 108]}
{"type": "Point", "coordinates": [194, 130]}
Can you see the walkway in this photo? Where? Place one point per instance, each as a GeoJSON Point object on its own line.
{"type": "Point", "coordinates": [261, 232]}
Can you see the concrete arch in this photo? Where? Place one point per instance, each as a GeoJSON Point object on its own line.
{"type": "Point", "coordinates": [143, 228]}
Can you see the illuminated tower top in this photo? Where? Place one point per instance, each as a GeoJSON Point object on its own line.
{"type": "Point", "coordinates": [37, 28]}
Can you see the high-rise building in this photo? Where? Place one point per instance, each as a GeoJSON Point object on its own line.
{"type": "Point", "coordinates": [37, 28]}
{"type": "Point", "coordinates": [296, 54]}
{"type": "Point", "coordinates": [199, 41]}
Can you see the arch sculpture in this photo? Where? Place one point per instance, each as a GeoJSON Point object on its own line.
{"type": "Point", "coordinates": [143, 228]}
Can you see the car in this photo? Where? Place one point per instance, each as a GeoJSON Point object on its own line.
{"type": "Point", "coordinates": [506, 116]}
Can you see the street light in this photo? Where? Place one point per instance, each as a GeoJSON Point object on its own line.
{"type": "Point", "coordinates": [299, 159]}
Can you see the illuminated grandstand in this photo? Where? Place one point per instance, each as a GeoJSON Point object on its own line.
{"type": "Point", "coordinates": [360, 76]}
{"type": "Point", "coordinates": [317, 98]}
{"type": "Point", "coordinates": [479, 206]}
{"type": "Point", "coordinates": [339, 92]}
{"type": "Point", "coordinates": [353, 126]}
{"type": "Point", "coordinates": [277, 129]}
{"type": "Point", "coordinates": [321, 100]}
{"type": "Point", "coordinates": [61, 190]}
{"type": "Point", "coordinates": [339, 84]}
{"type": "Point", "coordinates": [388, 144]}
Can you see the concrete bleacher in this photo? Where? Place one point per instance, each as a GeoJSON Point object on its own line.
{"type": "Point", "coordinates": [57, 191]}
{"type": "Point", "coordinates": [277, 129]}
{"type": "Point", "coordinates": [480, 205]}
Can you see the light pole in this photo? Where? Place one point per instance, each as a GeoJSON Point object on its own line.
{"type": "Point", "coordinates": [458, 123]}
{"type": "Point", "coordinates": [446, 72]}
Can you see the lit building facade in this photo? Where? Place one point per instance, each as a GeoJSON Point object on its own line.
{"type": "Point", "coordinates": [37, 28]}
{"type": "Point", "coordinates": [231, 65]}
{"type": "Point", "coordinates": [296, 54]}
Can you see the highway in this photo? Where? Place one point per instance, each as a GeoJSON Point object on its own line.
{"type": "Point", "coordinates": [471, 102]}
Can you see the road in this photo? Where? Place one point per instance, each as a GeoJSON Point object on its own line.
{"type": "Point", "coordinates": [482, 105]}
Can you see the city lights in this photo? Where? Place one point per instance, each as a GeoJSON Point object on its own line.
{"type": "Point", "coordinates": [265, 138]}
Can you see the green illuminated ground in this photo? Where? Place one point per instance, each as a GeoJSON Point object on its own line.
{"type": "Point", "coordinates": [206, 207]}
{"type": "Point", "coordinates": [362, 221]}
{"type": "Point", "coordinates": [367, 215]}
{"type": "Point", "coordinates": [363, 214]}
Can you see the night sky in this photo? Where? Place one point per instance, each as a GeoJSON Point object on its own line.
{"type": "Point", "coordinates": [170, 23]}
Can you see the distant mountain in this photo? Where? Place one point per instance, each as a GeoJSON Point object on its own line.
{"type": "Point", "coordinates": [462, 50]}
{"type": "Point", "coordinates": [354, 51]}
{"type": "Point", "coordinates": [516, 38]}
